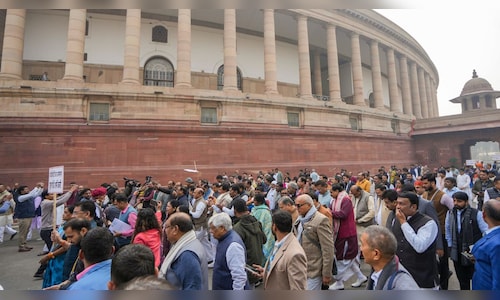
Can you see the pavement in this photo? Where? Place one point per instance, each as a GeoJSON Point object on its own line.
{"type": "Point", "coordinates": [18, 267]}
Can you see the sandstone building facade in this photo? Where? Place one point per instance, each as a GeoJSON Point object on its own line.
{"type": "Point", "coordinates": [113, 93]}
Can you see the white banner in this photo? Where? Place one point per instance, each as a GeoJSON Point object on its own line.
{"type": "Point", "coordinates": [470, 162]}
{"type": "Point", "coordinates": [56, 180]}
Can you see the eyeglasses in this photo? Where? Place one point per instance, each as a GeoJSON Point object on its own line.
{"type": "Point", "coordinates": [299, 205]}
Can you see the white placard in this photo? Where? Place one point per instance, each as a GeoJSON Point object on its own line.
{"type": "Point", "coordinates": [495, 157]}
{"type": "Point", "coordinates": [56, 180]}
{"type": "Point", "coordinates": [470, 162]}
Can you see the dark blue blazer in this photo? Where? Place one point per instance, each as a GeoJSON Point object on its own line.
{"type": "Point", "coordinates": [486, 251]}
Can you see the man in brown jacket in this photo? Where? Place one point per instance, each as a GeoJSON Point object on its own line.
{"type": "Point", "coordinates": [314, 232]}
{"type": "Point", "coordinates": [286, 268]}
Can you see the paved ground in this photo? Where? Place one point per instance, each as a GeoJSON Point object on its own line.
{"type": "Point", "coordinates": [18, 267]}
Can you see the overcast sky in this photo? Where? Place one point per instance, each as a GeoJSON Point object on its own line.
{"type": "Point", "coordinates": [457, 41]}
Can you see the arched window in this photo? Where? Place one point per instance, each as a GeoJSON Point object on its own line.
{"type": "Point", "coordinates": [160, 34]}
{"type": "Point", "coordinates": [159, 71]}
{"type": "Point", "coordinates": [220, 78]}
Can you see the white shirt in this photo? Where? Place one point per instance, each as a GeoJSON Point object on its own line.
{"type": "Point", "coordinates": [423, 238]}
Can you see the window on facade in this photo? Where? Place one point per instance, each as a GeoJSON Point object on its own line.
{"type": "Point", "coordinates": [489, 103]}
{"type": "Point", "coordinates": [99, 112]}
{"type": "Point", "coordinates": [371, 100]}
{"type": "Point", "coordinates": [475, 102]}
{"type": "Point", "coordinates": [159, 71]}
{"type": "Point", "coordinates": [160, 34]}
{"type": "Point", "coordinates": [36, 76]}
{"type": "Point", "coordinates": [209, 115]}
{"type": "Point", "coordinates": [395, 126]}
{"type": "Point", "coordinates": [220, 78]}
{"type": "Point", "coordinates": [354, 121]}
{"type": "Point", "coordinates": [87, 23]}
{"type": "Point", "coordinates": [293, 119]}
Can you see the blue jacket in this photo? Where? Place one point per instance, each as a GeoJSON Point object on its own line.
{"type": "Point", "coordinates": [221, 276]}
{"type": "Point", "coordinates": [486, 251]}
{"type": "Point", "coordinates": [95, 279]}
{"type": "Point", "coordinates": [25, 204]}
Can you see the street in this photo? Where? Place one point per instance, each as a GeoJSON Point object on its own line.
{"type": "Point", "coordinates": [18, 267]}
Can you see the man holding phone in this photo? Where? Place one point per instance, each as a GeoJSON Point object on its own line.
{"type": "Point", "coordinates": [464, 226]}
{"type": "Point", "coordinates": [286, 267]}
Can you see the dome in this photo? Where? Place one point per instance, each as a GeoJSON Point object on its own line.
{"type": "Point", "coordinates": [475, 85]}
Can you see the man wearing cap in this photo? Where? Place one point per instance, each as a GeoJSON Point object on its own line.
{"type": "Point", "coordinates": [272, 195]}
{"type": "Point", "coordinates": [99, 195]}
{"type": "Point", "coordinates": [189, 180]}
{"type": "Point", "coordinates": [464, 227]}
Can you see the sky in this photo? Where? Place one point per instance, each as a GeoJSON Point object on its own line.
{"type": "Point", "coordinates": [457, 41]}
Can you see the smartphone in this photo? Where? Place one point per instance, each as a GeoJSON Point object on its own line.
{"type": "Point", "coordinates": [251, 269]}
{"type": "Point", "coordinates": [468, 255]}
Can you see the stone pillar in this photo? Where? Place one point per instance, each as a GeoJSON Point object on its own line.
{"type": "Point", "coordinates": [464, 105]}
{"type": "Point", "coordinates": [376, 75]}
{"type": "Point", "coordinates": [318, 86]}
{"type": "Point", "coordinates": [183, 76]}
{"type": "Point", "coordinates": [270, 69]}
{"type": "Point", "coordinates": [482, 103]}
{"type": "Point", "coordinates": [13, 44]}
{"type": "Point", "coordinates": [230, 64]}
{"type": "Point", "coordinates": [304, 61]}
{"type": "Point", "coordinates": [405, 85]}
{"type": "Point", "coordinates": [73, 69]}
{"type": "Point", "coordinates": [435, 99]}
{"type": "Point", "coordinates": [132, 47]}
{"type": "Point", "coordinates": [357, 71]}
{"type": "Point", "coordinates": [415, 95]}
{"type": "Point", "coordinates": [333, 64]}
{"type": "Point", "coordinates": [429, 95]}
{"type": "Point", "coordinates": [395, 100]}
{"type": "Point", "coordinates": [422, 93]}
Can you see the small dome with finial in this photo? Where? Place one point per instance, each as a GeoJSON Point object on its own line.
{"type": "Point", "coordinates": [475, 85]}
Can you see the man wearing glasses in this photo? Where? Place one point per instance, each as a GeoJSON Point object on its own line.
{"type": "Point", "coordinates": [314, 232]}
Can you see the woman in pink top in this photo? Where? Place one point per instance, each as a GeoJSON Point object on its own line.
{"type": "Point", "coordinates": [148, 232]}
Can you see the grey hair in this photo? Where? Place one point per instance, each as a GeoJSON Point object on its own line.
{"type": "Point", "coordinates": [221, 219]}
{"type": "Point", "coordinates": [307, 199]}
{"type": "Point", "coordinates": [381, 238]}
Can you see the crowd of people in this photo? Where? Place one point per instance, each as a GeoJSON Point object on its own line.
{"type": "Point", "coordinates": [306, 232]}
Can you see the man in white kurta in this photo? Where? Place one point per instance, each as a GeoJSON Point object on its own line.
{"type": "Point", "coordinates": [463, 183]}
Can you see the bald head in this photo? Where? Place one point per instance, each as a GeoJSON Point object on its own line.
{"type": "Point", "coordinates": [491, 212]}
{"type": "Point", "coordinates": [182, 221]}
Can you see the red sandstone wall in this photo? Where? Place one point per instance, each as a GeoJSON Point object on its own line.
{"type": "Point", "coordinates": [93, 154]}
{"type": "Point", "coordinates": [436, 149]}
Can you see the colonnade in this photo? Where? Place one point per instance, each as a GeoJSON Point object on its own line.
{"type": "Point", "coordinates": [418, 95]}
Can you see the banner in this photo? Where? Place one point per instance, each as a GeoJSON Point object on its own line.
{"type": "Point", "coordinates": [56, 180]}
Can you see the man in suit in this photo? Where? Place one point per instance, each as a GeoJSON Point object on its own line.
{"type": "Point", "coordinates": [286, 268]}
{"type": "Point", "coordinates": [314, 233]}
{"type": "Point", "coordinates": [486, 251]}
